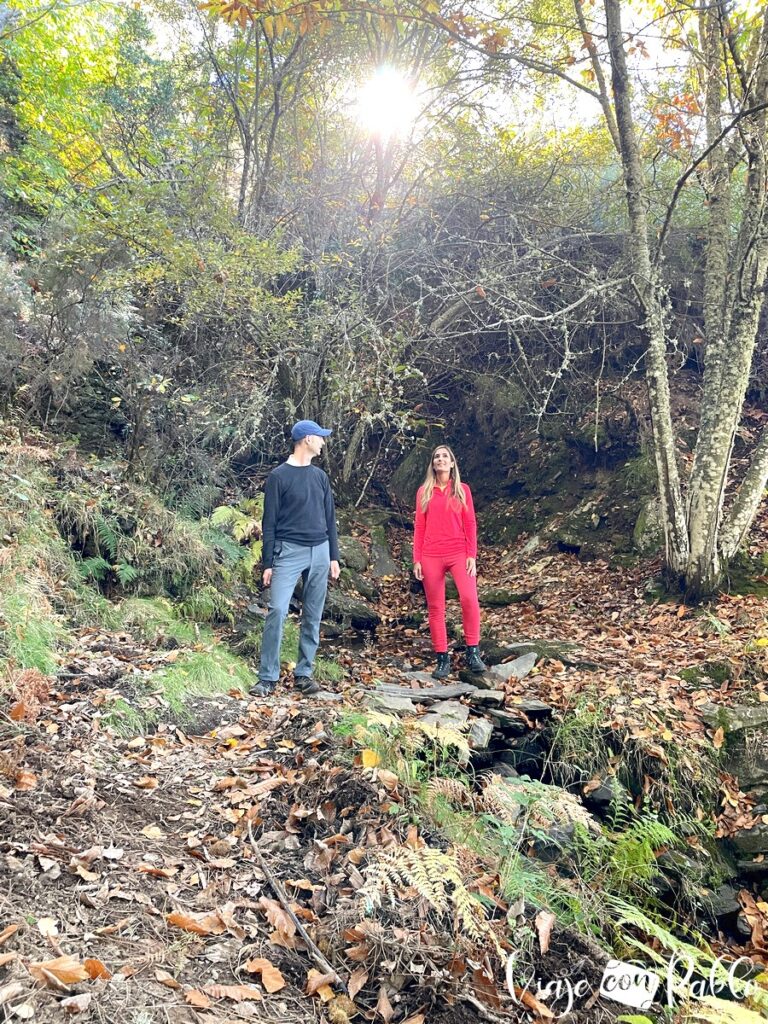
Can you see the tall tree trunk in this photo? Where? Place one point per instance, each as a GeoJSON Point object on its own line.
{"type": "Point", "coordinates": [732, 303]}
{"type": "Point", "coordinates": [648, 288]}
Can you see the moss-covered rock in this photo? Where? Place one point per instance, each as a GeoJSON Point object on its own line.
{"type": "Point", "coordinates": [353, 554]}
{"type": "Point", "coordinates": [500, 597]}
{"type": "Point", "coordinates": [383, 562]}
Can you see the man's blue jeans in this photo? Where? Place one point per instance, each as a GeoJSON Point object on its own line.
{"type": "Point", "coordinates": [290, 562]}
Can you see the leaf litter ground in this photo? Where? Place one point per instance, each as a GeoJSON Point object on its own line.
{"type": "Point", "coordinates": [133, 881]}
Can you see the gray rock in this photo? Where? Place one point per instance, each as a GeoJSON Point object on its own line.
{"type": "Point", "coordinates": [420, 677]}
{"type": "Point", "coordinates": [485, 697]}
{"type": "Point", "coordinates": [569, 653]}
{"type": "Point", "coordinates": [481, 680]}
{"type": "Point", "coordinates": [724, 901]}
{"type": "Point", "coordinates": [447, 712]}
{"type": "Point", "coordinates": [506, 771]}
{"type": "Point", "coordinates": [386, 702]}
{"type": "Point", "coordinates": [751, 841]}
{"type": "Point", "coordinates": [428, 696]}
{"type": "Point", "coordinates": [383, 562]}
{"type": "Point", "coordinates": [736, 718]}
{"type": "Point", "coordinates": [508, 721]}
{"type": "Point", "coordinates": [532, 545]}
{"type": "Point", "coordinates": [501, 597]}
{"type": "Point", "coordinates": [517, 669]}
{"type": "Point", "coordinates": [340, 607]}
{"type": "Point", "coordinates": [328, 697]}
{"type": "Point", "coordinates": [480, 733]}
{"type": "Point", "coordinates": [352, 554]}
{"type": "Point", "coordinates": [363, 586]}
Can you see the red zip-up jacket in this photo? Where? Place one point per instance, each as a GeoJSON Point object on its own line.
{"type": "Point", "coordinates": [447, 527]}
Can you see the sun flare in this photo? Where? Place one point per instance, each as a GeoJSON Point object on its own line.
{"type": "Point", "coordinates": [386, 103]}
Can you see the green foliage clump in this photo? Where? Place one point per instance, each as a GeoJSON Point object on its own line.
{"type": "Point", "coordinates": [127, 540]}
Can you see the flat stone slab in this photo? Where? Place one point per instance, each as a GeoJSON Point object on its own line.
{"type": "Point", "coordinates": [386, 702]}
{"type": "Point", "coordinates": [736, 718]}
{"type": "Point", "coordinates": [428, 696]}
{"type": "Point", "coordinates": [517, 669]}
{"type": "Point", "coordinates": [481, 680]}
{"type": "Point", "coordinates": [508, 721]}
{"type": "Point", "coordinates": [484, 697]}
{"type": "Point", "coordinates": [531, 706]}
{"type": "Point", "coordinates": [447, 714]}
{"type": "Point", "coordinates": [563, 650]}
{"type": "Point", "coordinates": [420, 677]}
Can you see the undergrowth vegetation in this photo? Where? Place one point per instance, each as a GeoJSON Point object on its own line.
{"type": "Point", "coordinates": [76, 538]}
{"type": "Point", "coordinates": [604, 881]}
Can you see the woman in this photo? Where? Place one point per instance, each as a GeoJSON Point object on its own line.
{"type": "Point", "coordinates": [445, 540]}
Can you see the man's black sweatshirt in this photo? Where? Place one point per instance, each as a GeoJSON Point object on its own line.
{"type": "Point", "coordinates": [298, 507]}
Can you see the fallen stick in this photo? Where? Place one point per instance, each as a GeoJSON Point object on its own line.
{"type": "Point", "coordinates": [280, 892]}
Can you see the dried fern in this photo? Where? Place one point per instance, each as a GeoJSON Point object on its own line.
{"type": "Point", "coordinates": [452, 789]}
{"type": "Point", "coordinates": [437, 879]}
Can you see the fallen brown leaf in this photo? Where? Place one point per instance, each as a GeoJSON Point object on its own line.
{"type": "Point", "coordinates": [319, 984]}
{"type": "Point", "coordinates": [545, 919]}
{"type": "Point", "coordinates": [271, 978]}
{"type": "Point", "coordinates": [166, 979]}
{"type": "Point", "coordinates": [200, 924]}
{"type": "Point", "coordinates": [66, 970]}
{"type": "Point", "coordinates": [383, 1007]}
{"type": "Point", "coordinates": [197, 998]}
{"type": "Point", "coordinates": [76, 1004]}
{"type": "Point", "coordinates": [237, 993]}
{"type": "Point", "coordinates": [7, 932]}
{"type": "Point", "coordinates": [96, 969]}
{"type": "Point", "coordinates": [357, 980]}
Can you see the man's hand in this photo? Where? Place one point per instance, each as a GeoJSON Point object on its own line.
{"type": "Point", "coordinates": [471, 567]}
{"type": "Point", "coordinates": [266, 577]}
{"type": "Point", "coordinates": [335, 570]}
{"type": "Point", "coordinates": [417, 572]}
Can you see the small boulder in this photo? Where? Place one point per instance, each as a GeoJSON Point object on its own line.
{"type": "Point", "coordinates": [340, 607]}
{"type": "Point", "coordinates": [480, 733]}
{"type": "Point", "coordinates": [352, 554]}
{"type": "Point", "coordinates": [383, 562]}
{"type": "Point", "coordinates": [517, 669]}
{"type": "Point", "coordinates": [501, 597]}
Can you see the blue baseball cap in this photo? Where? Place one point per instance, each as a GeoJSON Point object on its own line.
{"type": "Point", "coordinates": [305, 428]}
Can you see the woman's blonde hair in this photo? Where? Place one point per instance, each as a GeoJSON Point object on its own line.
{"type": "Point", "coordinates": [430, 480]}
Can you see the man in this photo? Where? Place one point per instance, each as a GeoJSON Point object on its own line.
{"type": "Point", "coordinates": [298, 539]}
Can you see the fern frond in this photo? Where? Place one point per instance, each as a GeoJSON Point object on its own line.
{"type": "Point", "coordinates": [452, 789]}
{"type": "Point", "coordinates": [443, 737]}
{"type": "Point", "coordinates": [108, 537]}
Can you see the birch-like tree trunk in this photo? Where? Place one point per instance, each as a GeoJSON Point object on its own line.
{"type": "Point", "coordinates": [649, 293]}
{"type": "Point", "coordinates": [699, 539]}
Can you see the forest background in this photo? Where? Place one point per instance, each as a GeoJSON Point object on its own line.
{"type": "Point", "coordinates": [553, 223]}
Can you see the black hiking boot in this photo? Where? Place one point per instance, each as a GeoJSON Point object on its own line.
{"type": "Point", "coordinates": [473, 660]}
{"type": "Point", "coordinates": [443, 667]}
{"type": "Point", "coordinates": [264, 688]}
{"type": "Point", "coordinates": [306, 685]}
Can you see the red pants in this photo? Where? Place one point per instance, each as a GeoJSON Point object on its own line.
{"type": "Point", "coordinates": [434, 568]}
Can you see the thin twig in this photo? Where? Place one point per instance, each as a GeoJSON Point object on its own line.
{"type": "Point", "coordinates": [279, 891]}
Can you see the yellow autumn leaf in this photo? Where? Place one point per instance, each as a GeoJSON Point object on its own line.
{"type": "Point", "coordinates": [370, 758]}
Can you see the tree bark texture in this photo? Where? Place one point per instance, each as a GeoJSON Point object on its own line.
{"type": "Point", "coordinates": [649, 293]}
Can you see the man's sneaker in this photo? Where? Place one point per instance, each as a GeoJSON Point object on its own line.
{"type": "Point", "coordinates": [443, 667]}
{"type": "Point", "coordinates": [473, 660]}
{"type": "Point", "coordinates": [306, 685]}
{"type": "Point", "coordinates": [264, 688]}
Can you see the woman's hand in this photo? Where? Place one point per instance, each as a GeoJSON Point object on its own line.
{"type": "Point", "coordinates": [471, 567]}
{"type": "Point", "coordinates": [417, 571]}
